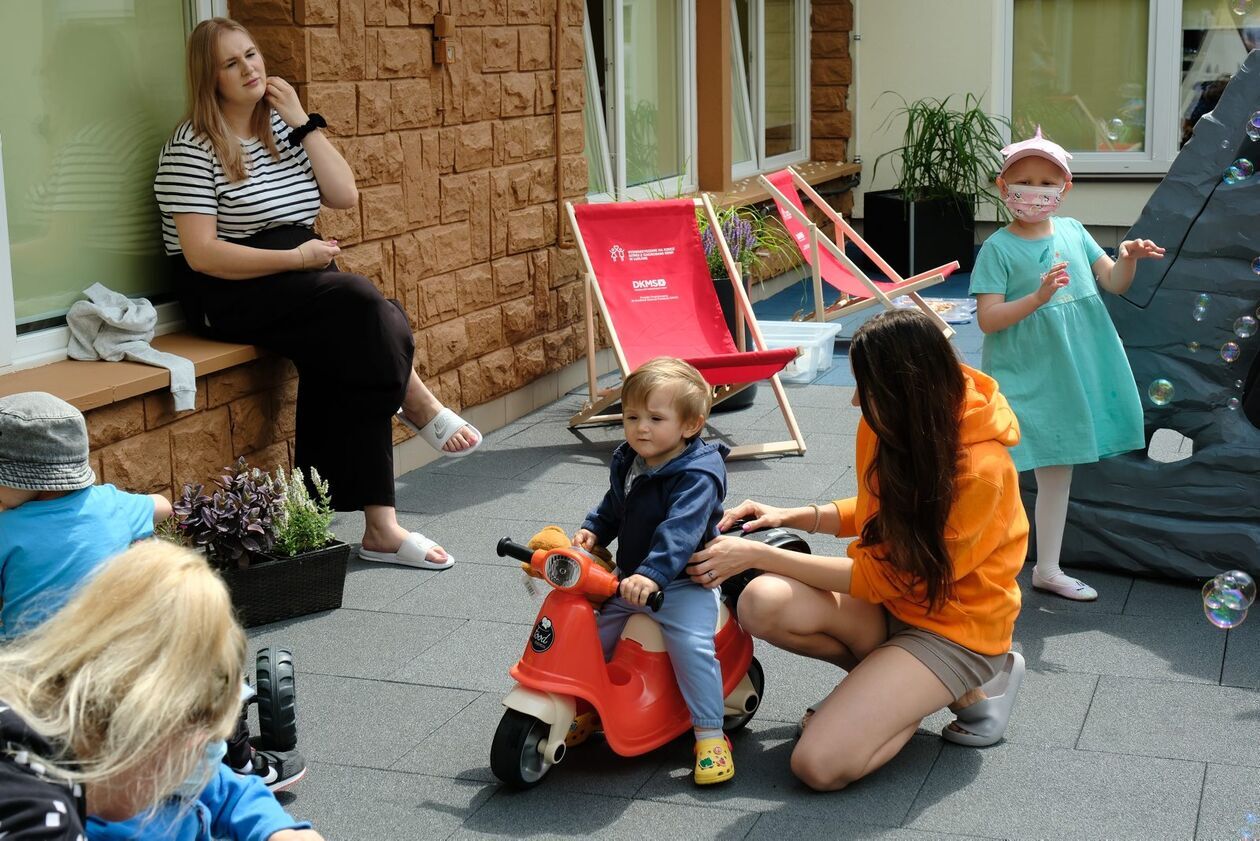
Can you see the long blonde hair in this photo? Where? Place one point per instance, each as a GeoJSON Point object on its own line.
{"type": "Point", "coordinates": [203, 99]}
{"type": "Point", "coordinates": [136, 675]}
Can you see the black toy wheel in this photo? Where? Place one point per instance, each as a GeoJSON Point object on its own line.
{"type": "Point", "coordinates": [514, 755]}
{"type": "Point", "coordinates": [777, 537]}
{"type": "Point", "coordinates": [277, 699]}
{"type": "Point", "coordinates": [731, 723]}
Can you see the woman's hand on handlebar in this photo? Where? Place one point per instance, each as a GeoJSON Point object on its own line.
{"type": "Point", "coordinates": [759, 516]}
{"type": "Point", "coordinates": [722, 557]}
{"type": "Point", "coordinates": [317, 253]}
{"type": "Point", "coordinates": [636, 589]}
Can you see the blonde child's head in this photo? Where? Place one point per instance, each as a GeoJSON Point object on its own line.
{"type": "Point", "coordinates": [672, 383]}
{"type": "Point", "coordinates": [134, 676]}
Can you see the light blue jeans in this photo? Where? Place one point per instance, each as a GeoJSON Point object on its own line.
{"type": "Point", "coordinates": [688, 619]}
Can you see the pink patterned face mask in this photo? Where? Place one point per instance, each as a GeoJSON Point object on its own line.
{"type": "Point", "coordinates": [1032, 204]}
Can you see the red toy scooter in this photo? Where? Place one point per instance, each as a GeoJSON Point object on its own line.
{"type": "Point", "coordinates": [634, 694]}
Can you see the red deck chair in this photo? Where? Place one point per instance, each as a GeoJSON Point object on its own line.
{"type": "Point", "coordinates": [646, 272]}
{"type": "Point", "coordinates": [832, 265]}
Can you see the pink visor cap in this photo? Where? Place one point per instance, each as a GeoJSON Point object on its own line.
{"type": "Point", "coordinates": [1037, 146]}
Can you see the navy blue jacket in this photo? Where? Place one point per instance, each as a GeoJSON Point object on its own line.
{"type": "Point", "coordinates": [669, 513]}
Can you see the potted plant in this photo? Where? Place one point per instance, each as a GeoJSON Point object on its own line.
{"type": "Point", "coordinates": [269, 539]}
{"type": "Point", "coordinates": [757, 242]}
{"type": "Point", "coordinates": [944, 166]}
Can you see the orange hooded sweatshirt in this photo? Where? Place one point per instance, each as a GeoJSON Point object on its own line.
{"type": "Point", "coordinates": [986, 533]}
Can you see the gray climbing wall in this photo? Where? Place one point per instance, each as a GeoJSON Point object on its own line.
{"type": "Point", "coordinates": [1201, 515]}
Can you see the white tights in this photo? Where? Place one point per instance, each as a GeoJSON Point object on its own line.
{"type": "Point", "coordinates": [1054, 484]}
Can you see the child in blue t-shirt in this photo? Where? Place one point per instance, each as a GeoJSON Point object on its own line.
{"type": "Point", "coordinates": [56, 529]}
{"type": "Point", "coordinates": [664, 504]}
{"type": "Point", "coordinates": [56, 526]}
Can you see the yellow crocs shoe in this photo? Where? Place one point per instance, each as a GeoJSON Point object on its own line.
{"type": "Point", "coordinates": [714, 762]}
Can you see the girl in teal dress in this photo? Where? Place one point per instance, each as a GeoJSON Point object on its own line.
{"type": "Point", "coordinates": [1050, 343]}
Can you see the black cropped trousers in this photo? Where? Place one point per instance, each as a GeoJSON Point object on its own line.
{"type": "Point", "coordinates": [353, 349]}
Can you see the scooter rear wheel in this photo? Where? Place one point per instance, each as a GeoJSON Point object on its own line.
{"type": "Point", "coordinates": [514, 755]}
{"type": "Point", "coordinates": [277, 699]}
{"type": "Point", "coordinates": [731, 723]}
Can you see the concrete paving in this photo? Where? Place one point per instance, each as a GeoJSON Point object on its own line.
{"type": "Point", "coordinates": [1137, 718]}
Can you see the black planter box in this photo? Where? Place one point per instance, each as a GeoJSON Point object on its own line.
{"type": "Point", "coordinates": [726, 297]}
{"type": "Point", "coordinates": [274, 587]}
{"type": "Point", "coordinates": [935, 232]}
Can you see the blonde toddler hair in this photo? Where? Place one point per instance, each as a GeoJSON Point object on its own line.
{"type": "Point", "coordinates": [691, 396]}
{"type": "Point", "coordinates": [135, 675]}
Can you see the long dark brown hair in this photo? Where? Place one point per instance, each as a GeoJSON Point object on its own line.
{"type": "Point", "coordinates": [911, 388]}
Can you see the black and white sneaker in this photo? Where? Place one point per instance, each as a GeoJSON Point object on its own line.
{"type": "Point", "coordinates": [279, 769]}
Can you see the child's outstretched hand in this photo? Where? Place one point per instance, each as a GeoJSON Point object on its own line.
{"type": "Point", "coordinates": [1054, 279]}
{"type": "Point", "coordinates": [1139, 249]}
{"type": "Point", "coordinates": [585, 539]}
{"type": "Point", "coordinates": [636, 589]}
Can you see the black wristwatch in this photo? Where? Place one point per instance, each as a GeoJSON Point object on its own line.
{"type": "Point", "coordinates": [313, 122]}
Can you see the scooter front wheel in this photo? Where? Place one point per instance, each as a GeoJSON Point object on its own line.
{"type": "Point", "coordinates": [515, 757]}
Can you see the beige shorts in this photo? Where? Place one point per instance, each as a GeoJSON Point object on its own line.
{"type": "Point", "coordinates": [959, 668]}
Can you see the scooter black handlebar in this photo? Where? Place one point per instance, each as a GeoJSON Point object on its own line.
{"type": "Point", "coordinates": [508, 547]}
{"type": "Point", "coordinates": [655, 600]}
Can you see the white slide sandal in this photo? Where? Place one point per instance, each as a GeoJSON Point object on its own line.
{"type": "Point", "coordinates": [445, 424]}
{"type": "Point", "coordinates": [413, 553]}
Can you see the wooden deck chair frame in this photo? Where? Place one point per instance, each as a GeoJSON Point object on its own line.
{"type": "Point", "coordinates": [599, 400]}
{"type": "Point", "coordinates": [819, 241]}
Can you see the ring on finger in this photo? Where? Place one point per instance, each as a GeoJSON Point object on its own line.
{"type": "Point", "coordinates": [712, 575]}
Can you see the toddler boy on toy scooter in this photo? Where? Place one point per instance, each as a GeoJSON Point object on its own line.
{"type": "Point", "coordinates": [664, 503]}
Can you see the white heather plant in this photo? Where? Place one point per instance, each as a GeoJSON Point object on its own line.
{"type": "Point", "coordinates": [303, 523]}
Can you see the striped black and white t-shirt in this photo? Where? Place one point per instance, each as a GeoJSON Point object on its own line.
{"type": "Point", "coordinates": [274, 192]}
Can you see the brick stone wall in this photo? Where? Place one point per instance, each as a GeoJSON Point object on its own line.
{"type": "Point", "coordinates": [831, 73]}
{"type": "Point", "coordinates": [456, 168]}
{"type": "Point", "coordinates": [142, 445]}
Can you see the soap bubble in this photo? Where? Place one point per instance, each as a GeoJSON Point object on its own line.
{"type": "Point", "coordinates": [1199, 312]}
{"type": "Point", "coordinates": [1240, 170]}
{"type": "Point", "coordinates": [1237, 589]}
{"type": "Point", "coordinates": [1241, 7]}
{"type": "Point", "coordinates": [1217, 611]}
{"type": "Point", "coordinates": [1255, 266]}
{"type": "Point", "coordinates": [1194, 346]}
{"type": "Point", "coordinates": [1233, 404]}
{"type": "Point", "coordinates": [1245, 327]}
{"type": "Point", "coordinates": [1230, 352]}
{"type": "Point", "coordinates": [1203, 300]}
{"type": "Point", "coordinates": [1253, 126]}
{"type": "Point", "coordinates": [1115, 128]}
{"type": "Point", "coordinates": [1237, 383]}
{"type": "Point", "coordinates": [1160, 392]}
{"type": "Point", "coordinates": [1225, 144]}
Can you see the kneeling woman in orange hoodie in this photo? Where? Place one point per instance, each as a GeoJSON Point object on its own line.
{"type": "Point", "coordinates": [921, 611]}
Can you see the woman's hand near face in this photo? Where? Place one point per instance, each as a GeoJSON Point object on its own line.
{"type": "Point", "coordinates": [282, 97]}
{"type": "Point", "coordinates": [722, 557]}
{"type": "Point", "coordinates": [759, 516]}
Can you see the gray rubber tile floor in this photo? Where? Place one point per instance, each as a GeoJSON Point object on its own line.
{"type": "Point", "coordinates": [1137, 719]}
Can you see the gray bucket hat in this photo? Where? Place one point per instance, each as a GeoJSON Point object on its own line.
{"type": "Point", "coordinates": [43, 444]}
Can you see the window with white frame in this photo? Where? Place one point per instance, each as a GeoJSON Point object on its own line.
{"type": "Point", "coordinates": [1120, 83]}
{"type": "Point", "coordinates": [769, 84]}
{"type": "Point", "coordinates": [79, 142]}
{"type": "Point", "coordinates": [640, 132]}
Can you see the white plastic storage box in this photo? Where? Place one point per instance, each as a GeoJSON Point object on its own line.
{"type": "Point", "coordinates": [816, 341]}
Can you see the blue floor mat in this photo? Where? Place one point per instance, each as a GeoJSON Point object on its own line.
{"type": "Point", "coordinates": [800, 296]}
